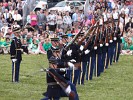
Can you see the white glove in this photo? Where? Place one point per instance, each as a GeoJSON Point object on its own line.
{"type": "Point", "coordinates": [87, 51]}
{"type": "Point", "coordinates": [121, 37]}
{"type": "Point", "coordinates": [73, 60]}
{"type": "Point", "coordinates": [68, 89]}
{"type": "Point", "coordinates": [95, 48]}
{"type": "Point", "coordinates": [101, 45]}
{"type": "Point", "coordinates": [14, 60]}
{"type": "Point", "coordinates": [106, 44]}
{"type": "Point", "coordinates": [69, 52]}
{"type": "Point", "coordinates": [115, 38]}
{"type": "Point", "coordinates": [71, 65]}
{"type": "Point", "coordinates": [110, 41]}
{"type": "Point", "coordinates": [81, 48]}
{"type": "Point", "coordinates": [62, 69]}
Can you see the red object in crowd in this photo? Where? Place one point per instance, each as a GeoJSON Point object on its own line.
{"type": "Point", "coordinates": [128, 3]}
{"type": "Point", "coordinates": [93, 21]}
{"type": "Point", "coordinates": [33, 20]}
{"type": "Point", "coordinates": [5, 4]}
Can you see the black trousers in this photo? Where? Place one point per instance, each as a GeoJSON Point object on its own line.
{"type": "Point", "coordinates": [15, 71]}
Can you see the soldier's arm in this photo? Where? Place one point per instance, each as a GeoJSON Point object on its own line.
{"type": "Point", "coordinates": [12, 49]}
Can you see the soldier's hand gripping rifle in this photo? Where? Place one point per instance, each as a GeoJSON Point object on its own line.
{"type": "Point", "coordinates": [88, 42]}
{"type": "Point", "coordinates": [62, 82]}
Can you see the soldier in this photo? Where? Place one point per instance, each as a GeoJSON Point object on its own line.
{"type": "Point", "coordinates": [85, 59]}
{"type": "Point", "coordinates": [58, 86]}
{"type": "Point", "coordinates": [16, 57]}
{"type": "Point", "coordinates": [105, 47]}
{"type": "Point", "coordinates": [58, 66]}
{"type": "Point", "coordinates": [117, 41]}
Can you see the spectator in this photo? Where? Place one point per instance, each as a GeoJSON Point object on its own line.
{"type": "Point", "coordinates": [17, 17]}
{"type": "Point", "coordinates": [33, 17]}
{"type": "Point", "coordinates": [75, 16]}
{"type": "Point", "coordinates": [10, 20]}
{"type": "Point", "coordinates": [41, 49]}
{"type": "Point", "coordinates": [67, 21]}
{"type": "Point", "coordinates": [41, 18]}
{"type": "Point", "coordinates": [11, 11]}
{"type": "Point", "coordinates": [20, 10]}
{"type": "Point", "coordinates": [40, 29]}
{"type": "Point", "coordinates": [6, 14]}
{"type": "Point", "coordinates": [47, 45]}
{"type": "Point", "coordinates": [59, 20]}
{"type": "Point", "coordinates": [15, 24]}
{"type": "Point", "coordinates": [51, 19]}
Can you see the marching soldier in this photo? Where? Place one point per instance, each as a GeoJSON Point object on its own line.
{"type": "Point", "coordinates": [16, 57]}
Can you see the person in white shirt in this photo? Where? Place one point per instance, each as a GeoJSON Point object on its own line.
{"type": "Point", "coordinates": [115, 14]}
{"type": "Point", "coordinates": [17, 17]}
{"type": "Point", "coordinates": [125, 9]}
{"type": "Point", "coordinates": [75, 16]}
{"type": "Point", "coordinates": [127, 18]}
{"type": "Point", "coordinates": [11, 11]}
{"type": "Point", "coordinates": [109, 14]}
{"type": "Point", "coordinates": [67, 21]}
{"type": "Point", "coordinates": [105, 15]}
{"type": "Point", "coordinates": [16, 25]}
{"type": "Point", "coordinates": [5, 29]}
{"type": "Point", "coordinates": [51, 20]}
{"type": "Point", "coordinates": [6, 14]}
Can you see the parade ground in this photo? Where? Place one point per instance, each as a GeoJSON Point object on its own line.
{"type": "Point", "coordinates": [116, 83]}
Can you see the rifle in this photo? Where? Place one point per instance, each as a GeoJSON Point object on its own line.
{"type": "Point", "coordinates": [111, 31]}
{"type": "Point", "coordinates": [106, 38]}
{"type": "Point", "coordinates": [61, 81]}
{"type": "Point", "coordinates": [90, 39]}
{"type": "Point", "coordinates": [96, 38]}
{"type": "Point", "coordinates": [101, 34]}
{"type": "Point", "coordinates": [91, 28]}
{"type": "Point", "coordinates": [116, 28]}
{"type": "Point", "coordinates": [74, 39]}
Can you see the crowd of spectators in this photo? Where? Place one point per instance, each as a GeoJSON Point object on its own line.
{"type": "Point", "coordinates": [44, 24]}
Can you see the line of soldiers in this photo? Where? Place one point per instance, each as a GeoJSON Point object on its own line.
{"type": "Point", "coordinates": [81, 56]}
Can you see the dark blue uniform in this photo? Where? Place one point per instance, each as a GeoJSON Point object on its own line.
{"type": "Point", "coordinates": [117, 45]}
{"type": "Point", "coordinates": [54, 90]}
{"type": "Point", "coordinates": [92, 59]}
{"type": "Point", "coordinates": [16, 53]}
{"type": "Point", "coordinates": [85, 59]}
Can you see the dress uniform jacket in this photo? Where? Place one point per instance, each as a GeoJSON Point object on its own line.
{"type": "Point", "coordinates": [15, 49]}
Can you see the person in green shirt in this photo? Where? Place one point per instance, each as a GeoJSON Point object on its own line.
{"type": "Point", "coordinates": [127, 45]}
{"type": "Point", "coordinates": [47, 44]}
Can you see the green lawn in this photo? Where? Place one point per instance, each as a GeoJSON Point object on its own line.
{"type": "Point", "coordinates": [116, 83]}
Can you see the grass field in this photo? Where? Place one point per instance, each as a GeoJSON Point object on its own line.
{"type": "Point", "coordinates": [116, 83]}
